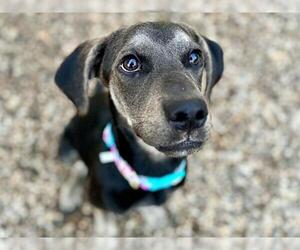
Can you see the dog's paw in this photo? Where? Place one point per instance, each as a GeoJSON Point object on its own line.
{"type": "Point", "coordinates": [72, 191]}
{"type": "Point", "coordinates": [105, 224]}
{"type": "Point", "coordinates": [155, 218]}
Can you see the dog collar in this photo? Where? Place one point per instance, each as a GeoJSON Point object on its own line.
{"type": "Point", "coordinates": [146, 183]}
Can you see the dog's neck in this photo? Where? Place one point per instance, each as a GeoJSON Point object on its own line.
{"type": "Point", "coordinates": [143, 158]}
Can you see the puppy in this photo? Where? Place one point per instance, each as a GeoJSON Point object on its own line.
{"type": "Point", "coordinates": [148, 113]}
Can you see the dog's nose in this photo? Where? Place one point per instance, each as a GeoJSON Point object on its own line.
{"type": "Point", "coordinates": [186, 114]}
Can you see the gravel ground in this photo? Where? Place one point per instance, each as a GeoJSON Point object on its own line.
{"type": "Point", "coordinates": [153, 5]}
{"type": "Point", "coordinates": [246, 180]}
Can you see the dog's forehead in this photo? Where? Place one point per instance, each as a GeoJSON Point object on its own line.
{"type": "Point", "coordinates": [171, 37]}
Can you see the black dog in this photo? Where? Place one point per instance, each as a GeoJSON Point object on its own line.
{"type": "Point", "coordinates": [155, 82]}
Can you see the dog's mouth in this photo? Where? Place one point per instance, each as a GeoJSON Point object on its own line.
{"type": "Point", "coordinates": [183, 147]}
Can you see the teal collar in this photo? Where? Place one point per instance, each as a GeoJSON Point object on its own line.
{"type": "Point", "coordinates": [146, 183]}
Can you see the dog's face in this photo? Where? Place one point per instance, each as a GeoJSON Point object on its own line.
{"type": "Point", "coordinates": [159, 76]}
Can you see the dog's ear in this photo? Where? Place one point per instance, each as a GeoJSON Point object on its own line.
{"type": "Point", "coordinates": [82, 65]}
{"type": "Point", "coordinates": [214, 64]}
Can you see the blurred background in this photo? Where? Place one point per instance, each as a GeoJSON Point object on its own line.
{"type": "Point", "coordinates": [245, 181]}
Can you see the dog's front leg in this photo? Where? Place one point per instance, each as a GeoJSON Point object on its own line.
{"type": "Point", "coordinates": [72, 191]}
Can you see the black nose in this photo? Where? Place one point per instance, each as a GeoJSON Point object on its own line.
{"type": "Point", "coordinates": [186, 114]}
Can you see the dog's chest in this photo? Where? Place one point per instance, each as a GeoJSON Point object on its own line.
{"type": "Point", "coordinates": [108, 186]}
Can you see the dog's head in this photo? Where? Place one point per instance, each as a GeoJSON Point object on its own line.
{"type": "Point", "coordinates": [160, 77]}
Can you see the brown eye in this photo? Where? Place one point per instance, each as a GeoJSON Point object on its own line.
{"type": "Point", "coordinates": [194, 57]}
{"type": "Point", "coordinates": [130, 64]}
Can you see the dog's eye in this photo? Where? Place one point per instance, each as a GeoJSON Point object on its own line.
{"type": "Point", "coordinates": [130, 64]}
{"type": "Point", "coordinates": [195, 57]}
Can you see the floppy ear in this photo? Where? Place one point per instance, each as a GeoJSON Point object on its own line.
{"type": "Point", "coordinates": [214, 63]}
{"type": "Point", "coordinates": [77, 69]}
